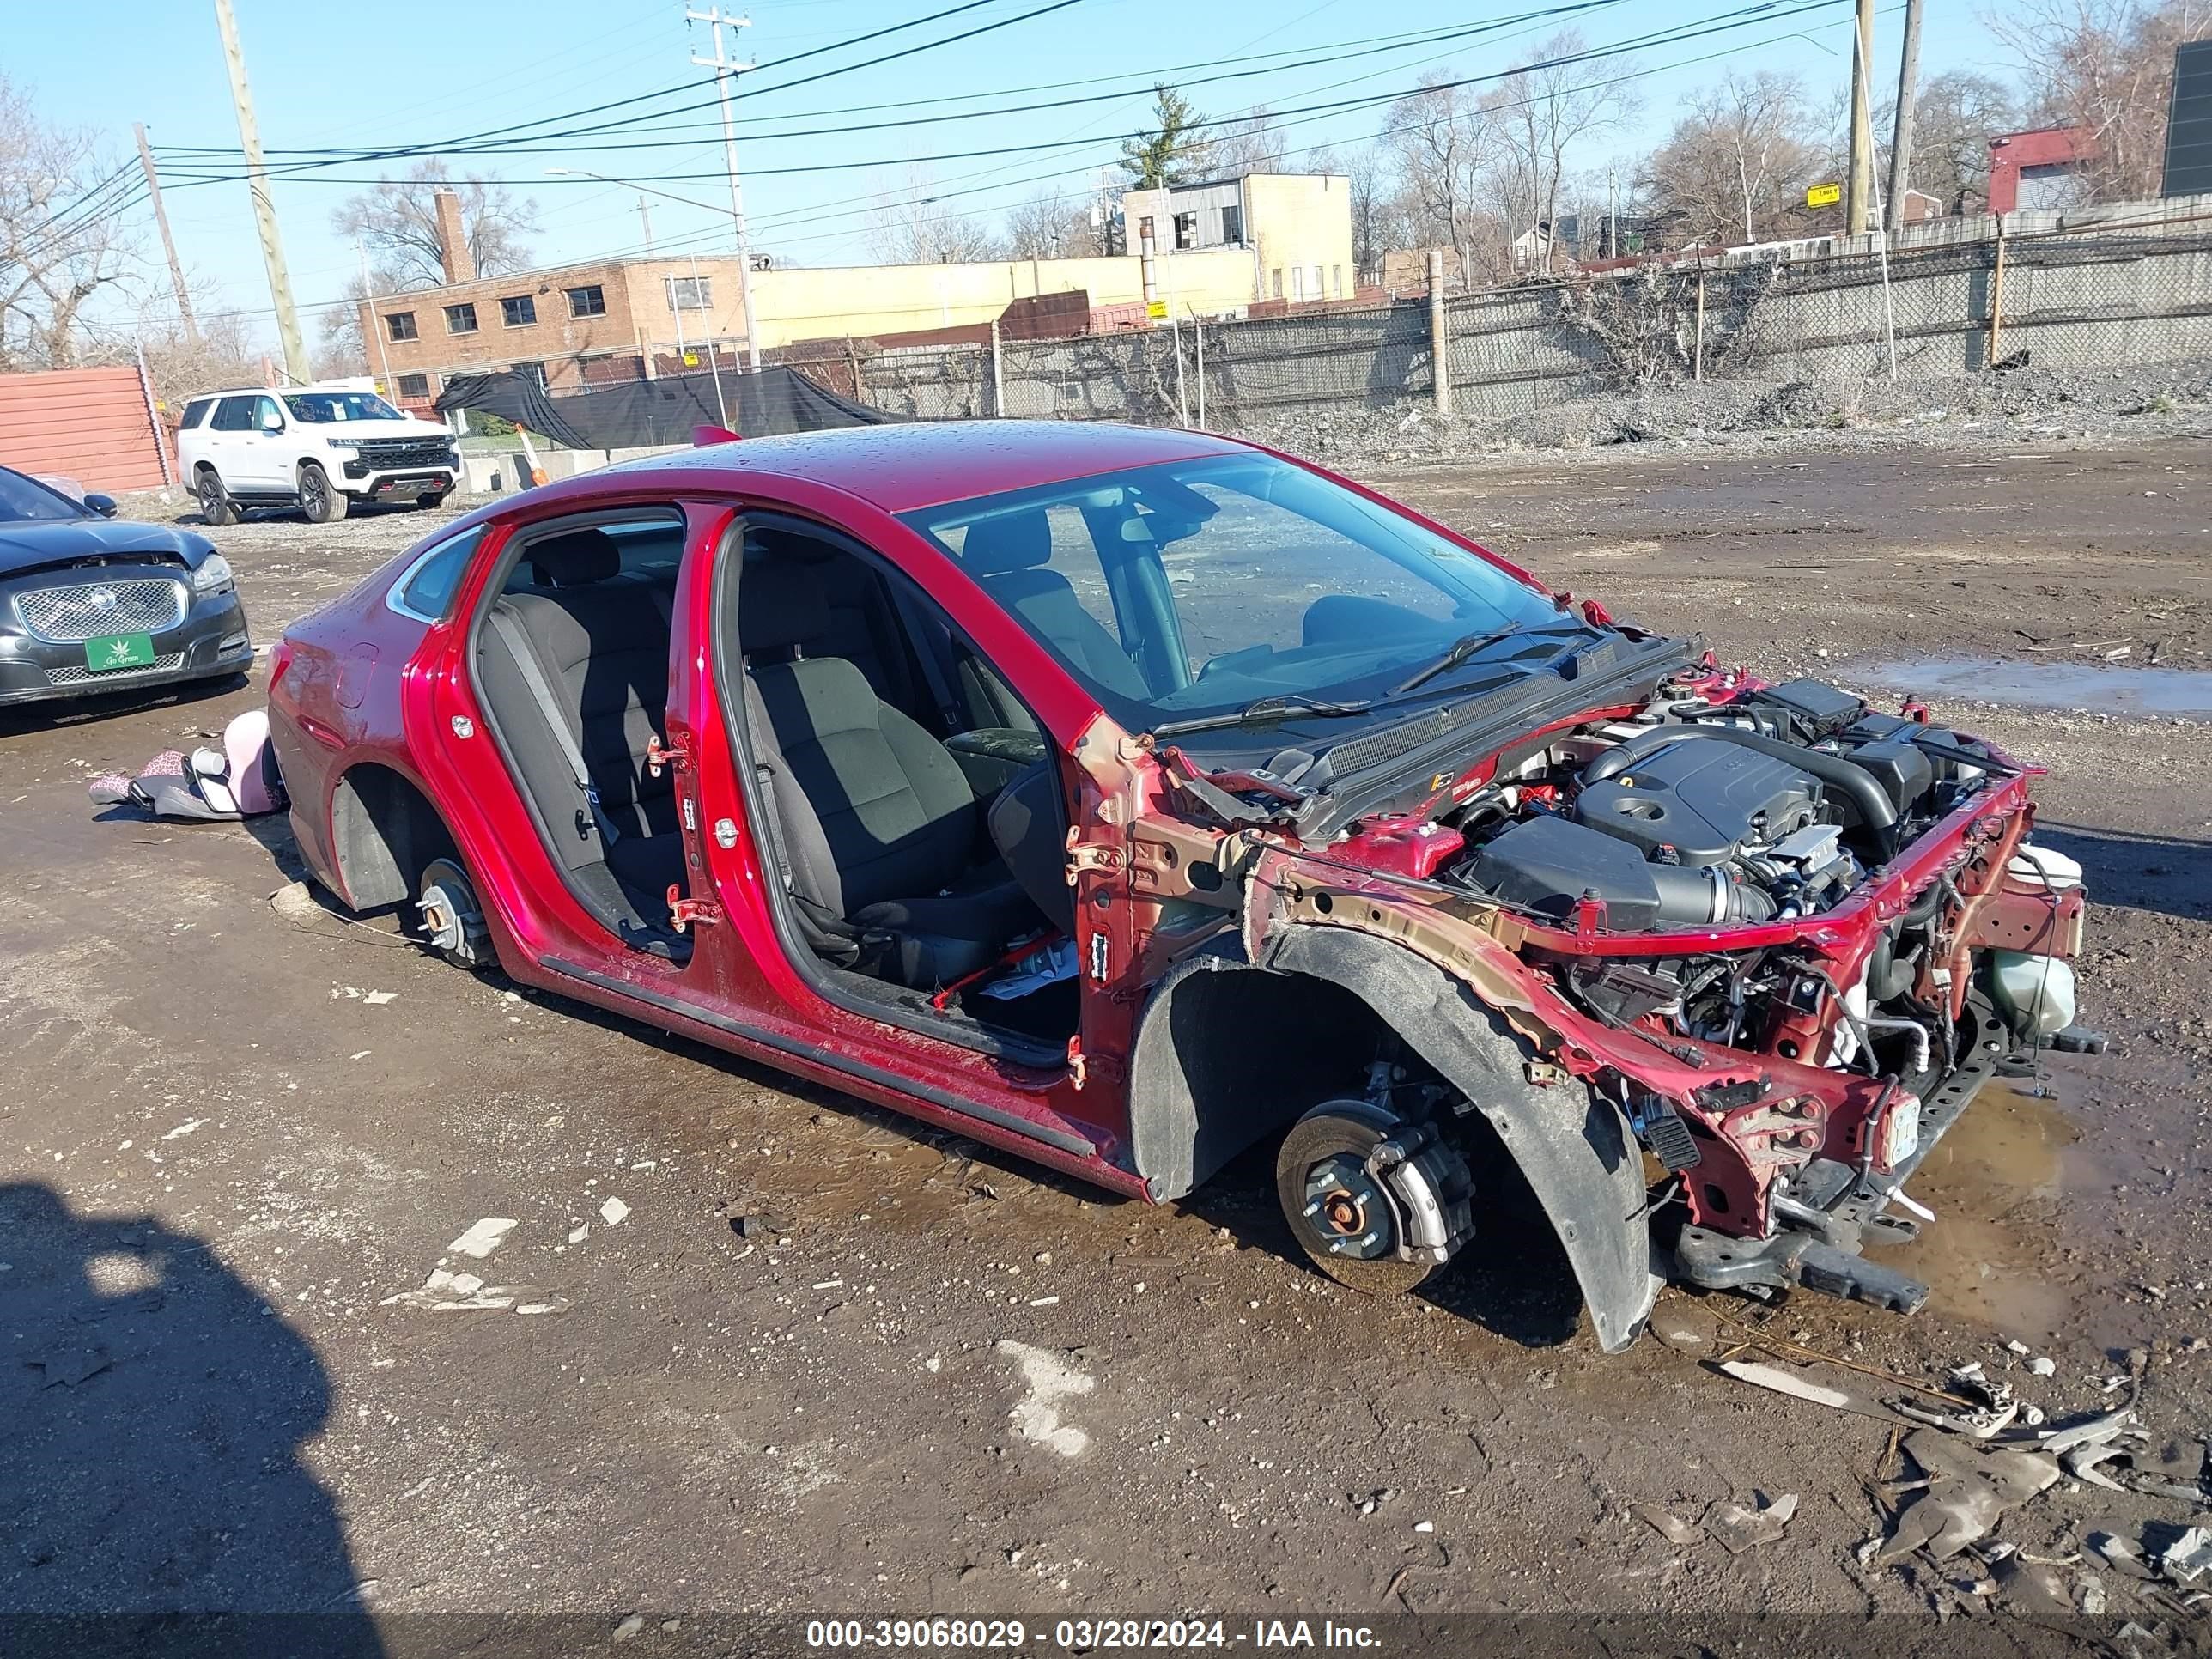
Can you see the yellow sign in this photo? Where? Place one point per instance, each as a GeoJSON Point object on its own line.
{"type": "Point", "coordinates": [691, 359]}
{"type": "Point", "coordinates": [1155, 311]}
{"type": "Point", "coordinates": [1823, 195]}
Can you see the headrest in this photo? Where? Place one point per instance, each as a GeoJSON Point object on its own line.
{"type": "Point", "coordinates": [1010, 541]}
{"type": "Point", "coordinates": [575, 558]}
{"type": "Point", "coordinates": [781, 603]}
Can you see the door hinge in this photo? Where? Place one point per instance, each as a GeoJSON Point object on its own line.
{"type": "Point", "coordinates": [675, 756]}
{"type": "Point", "coordinates": [1089, 855]}
{"type": "Point", "coordinates": [1076, 1064]}
{"type": "Point", "coordinates": [682, 912]}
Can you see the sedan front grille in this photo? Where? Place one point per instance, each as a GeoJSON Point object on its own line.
{"type": "Point", "coordinates": [76, 674]}
{"type": "Point", "coordinates": [92, 611]}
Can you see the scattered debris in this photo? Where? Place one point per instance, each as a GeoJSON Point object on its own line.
{"type": "Point", "coordinates": [1967, 1490]}
{"type": "Point", "coordinates": [186, 1128]}
{"type": "Point", "coordinates": [377, 998]}
{"type": "Point", "coordinates": [2043, 1367]}
{"type": "Point", "coordinates": [1798, 1388]}
{"type": "Point", "coordinates": [71, 1365]}
{"type": "Point", "coordinates": [482, 1238]}
{"type": "Point", "coordinates": [1051, 1381]}
{"type": "Point", "coordinates": [1739, 1528]}
{"type": "Point", "coordinates": [1669, 1525]}
{"type": "Point", "coordinates": [452, 1292]}
{"type": "Point", "coordinates": [2187, 1556]}
{"type": "Point", "coordinates": [630, 1627]}
{"type": "Point", "coordinates": [613, 1211]}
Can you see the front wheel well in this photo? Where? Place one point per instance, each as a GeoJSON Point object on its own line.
{"type": "Point", "coordinates": [1229, 1054]}
{"type": "Point", "coordinates": [384, 832]}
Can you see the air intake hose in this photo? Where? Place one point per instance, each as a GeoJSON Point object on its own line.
{"type": "Point", "coordinates": [1695, 896]}
{"type": "Point", "coordinates": [1875, 809]}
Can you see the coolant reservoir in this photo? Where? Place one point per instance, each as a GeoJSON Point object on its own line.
{"type": "Point", "coordinates": [2038, 866]}
{"type": "Point", "coordinates": [2036, 993]}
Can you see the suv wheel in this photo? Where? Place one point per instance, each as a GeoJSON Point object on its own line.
{"type": "Point", "coordinates": [215, 505]}
{"type": "Point", "coordinates": [319, 499]}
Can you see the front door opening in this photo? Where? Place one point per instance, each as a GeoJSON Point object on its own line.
{"type": "Point", "coordinates": [915, 807]}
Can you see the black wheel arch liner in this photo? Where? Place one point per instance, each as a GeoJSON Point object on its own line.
{"type": "Point", "coordinates": [1573, 1146]}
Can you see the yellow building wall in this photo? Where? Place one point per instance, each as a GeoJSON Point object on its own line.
{"type": "Point", "coordinates": [870, 300]}
{"type": "Point", "coordinates": [861, 302]}
{"type": "Point", "coordinates": [1301, 221]}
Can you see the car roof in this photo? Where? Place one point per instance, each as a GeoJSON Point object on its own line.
{"type": "Point", "coordinates": [909, 464]}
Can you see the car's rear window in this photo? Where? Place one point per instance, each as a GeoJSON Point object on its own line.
{"type": "Point", "coordinates": [195, 412]}
{"type": "Point", "coordinates": [429, 588]}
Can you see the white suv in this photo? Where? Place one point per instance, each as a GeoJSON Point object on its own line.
{"type": "Point", "coordinates": [319, 447]}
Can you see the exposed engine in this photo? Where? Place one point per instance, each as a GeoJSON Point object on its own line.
{"type": "Point", "coordinates": [1773, 805]}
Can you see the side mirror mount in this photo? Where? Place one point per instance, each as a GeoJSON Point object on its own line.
{"type": "Point", "coordinates": [272, 423]}
{"type": "Point", "coordinates": [101, 505]}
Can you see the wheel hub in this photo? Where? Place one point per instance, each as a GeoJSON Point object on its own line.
{"type": "Point", "coordinates": [1346, 1207]}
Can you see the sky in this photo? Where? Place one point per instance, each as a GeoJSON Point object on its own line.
{"type": "Point", "coordinates": [415, 72]}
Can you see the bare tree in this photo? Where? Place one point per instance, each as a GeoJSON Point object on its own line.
{"type": "Point", "coordinates": [1442, 146]}
{"type": "Point", "coordinates": [2106, 66]}
{"type": "Point", "coordinates": [1543, 113]}
{"type": "Point", "coordinates": [1052, 225]}
{"type": "Point", "coordinates": [908, 227]}
{"type": "Point", "coordinates": [1736, 164]}
{"type": "Point", "coordinates": [1249, 143]}
{"type": "Point", "coordinates": [57, 251]}
{"type": "Point", "coordinates": [1379, 218]}
{"type": "Point", "coordinates": [398, 224]}
{"type": "Point", "coordinates": [1953, 119]}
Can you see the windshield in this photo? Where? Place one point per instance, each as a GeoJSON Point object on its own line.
{"type": "Point", "coordinates": [1196, 588]}
{"type": "Point", "coordinates": [321, 407]}
{"type": "Point", "coordinates": [24, 501]}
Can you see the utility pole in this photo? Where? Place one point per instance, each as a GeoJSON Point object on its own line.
{"type": "Point", "coordinates": [1859, 189]}
{"type": "Point", "coordinates": [375, 327]}
{"type": "Point", "coordinates": [1900, 141]}
{"type": "Point", "coordinates": [726, 71]}
{"type": "Point", "coordinates": [264, 210]}
{"type": "Point", "coordinates": [168, 246]}
{"type": "Point", "coordinates": [645, 219]}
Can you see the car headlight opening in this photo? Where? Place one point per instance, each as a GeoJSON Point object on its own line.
{"type": "Point", "coordinates": [213, 572]}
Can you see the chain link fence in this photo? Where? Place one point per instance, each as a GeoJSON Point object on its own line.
{"type": "Point", "coordinates": [2116, 292]}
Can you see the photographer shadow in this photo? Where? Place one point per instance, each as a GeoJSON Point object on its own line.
{"type": "Point", "coordinates": [152, 1494]}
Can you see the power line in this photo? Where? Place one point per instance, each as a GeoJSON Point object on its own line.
{"type": "Point", "coordinates": [468, 144]}
{"type": "Point", "coordinates": [1333, 52]}
{"type": "Point", "coordinates": [1721, 23]}
{"type": "Point", "coordinates": [684, 241]}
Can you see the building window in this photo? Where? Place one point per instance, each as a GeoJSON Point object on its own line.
{"type": "Point", "coordinates": [461, 319]}
{"type": "Point", "coordinates": [1185, 229]}
{"type": "Point", "coordinates": [691, 293]}
{"type": "Point", "coordinates": [1298, 283]}
{"type": "Point", "coordinates": [1232, 226]}
{"type": "Point", "coordinates": [1336, 280]}
{"type": "Point", "coordinates": [413, 385]}
{"type": "Point", "coordinates": [400, 325]}
{"type": "Point", "coordinates": [518, 311]}
{"type": "Point", "coordinates": [1279, 281]}
{"type": "Point", "coordinates": [588, 301]}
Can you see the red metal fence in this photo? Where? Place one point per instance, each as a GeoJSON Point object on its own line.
{"type": "Point", "coordinates": [93, 425]}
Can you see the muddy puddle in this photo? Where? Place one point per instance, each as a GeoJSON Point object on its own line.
{"type": "Point", "coordinates": [1998, 1183]}
{"type": "Point", "coordinates": [2108, 687]}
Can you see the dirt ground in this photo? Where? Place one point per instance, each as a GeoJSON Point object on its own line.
{"type": "Point", "coordinates": [923, 1379]}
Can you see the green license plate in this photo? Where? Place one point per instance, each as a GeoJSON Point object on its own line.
{"type": "Point", "coordinates": [112, 651]}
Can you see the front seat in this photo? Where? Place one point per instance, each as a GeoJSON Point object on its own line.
{"type": "Point", "coordinates": [880, 831]}
{"type": "Point", "coordinates": [1008, 554]}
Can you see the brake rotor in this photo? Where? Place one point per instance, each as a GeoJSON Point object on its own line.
{"type": "Point", "coordinates": [1344, 1219]}
{"type": "Point", "coordinates": [452, 921]}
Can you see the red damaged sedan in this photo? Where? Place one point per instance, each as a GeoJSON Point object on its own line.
{"type": "Point", "coordinates": [1125, 798]}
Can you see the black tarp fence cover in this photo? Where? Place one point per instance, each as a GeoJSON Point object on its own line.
{"type": "Point", "coordinates": [754, 403]}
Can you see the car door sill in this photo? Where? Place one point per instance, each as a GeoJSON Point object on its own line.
{"type": "Point", "coordinates": [1060, 1138]}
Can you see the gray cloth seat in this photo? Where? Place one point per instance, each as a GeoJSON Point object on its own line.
{"type": "Point", "coordinates": [880, 830]}
{"type": "Point", "coordinates": [1009, 555]}
{"type": "Point", "coordinates": [600, 641]}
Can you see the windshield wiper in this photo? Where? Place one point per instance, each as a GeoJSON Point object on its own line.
{"type": "Point", "coordinates": [1462, 649]}
{"type": "Point", "coordinates": [1265, 711]}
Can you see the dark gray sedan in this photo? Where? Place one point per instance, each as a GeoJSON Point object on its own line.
{"type": "Point", "coordinates": [90, 606]}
